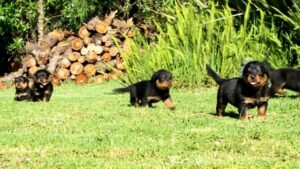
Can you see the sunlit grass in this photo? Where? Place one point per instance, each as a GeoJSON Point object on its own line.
{"type": "Point", "coordinates": [88, 127]}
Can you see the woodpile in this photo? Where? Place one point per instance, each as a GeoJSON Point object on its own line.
{"type": "Point", "coordinates": [91, 55]}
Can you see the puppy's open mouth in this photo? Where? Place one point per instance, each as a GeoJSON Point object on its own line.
{"type": "Point", "coordinates": [42, 85]}
{"type": "Point", "coordinates": [254, 83]}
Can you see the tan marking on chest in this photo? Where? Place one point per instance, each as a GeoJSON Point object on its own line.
{"type": "Point", "coordinates": [157, 98]}
{"type": "Point", "coordinates": [21, 94]}
{"type": "Point", "coordinates": [249, 100]}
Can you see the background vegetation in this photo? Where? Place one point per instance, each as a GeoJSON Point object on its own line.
{"type": "Point", "coordinates": [198, 36]}
{"type": "Point", "coordinates": [190, 33]}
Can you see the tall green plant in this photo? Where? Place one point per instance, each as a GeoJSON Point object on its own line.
{"type": "Point", "coordinates": [199, 37]}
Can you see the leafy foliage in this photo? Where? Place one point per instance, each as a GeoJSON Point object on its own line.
{"type": "Point", "coordinates": [199, 37]}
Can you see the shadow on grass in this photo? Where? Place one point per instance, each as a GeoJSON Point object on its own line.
{"type": "Point", "coordinates": [230, 114]}
{"type": "Point", "coordinates": [286, 96]}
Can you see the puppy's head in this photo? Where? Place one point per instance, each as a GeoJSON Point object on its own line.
{"type": "Point", "coordinates": [42, 77]}
{"type": "Point", "coordinates": [21, 82]}
{"type": "Point", "coordinates": [255, 74]}
{"type": "Point", "coordinates": [162, 79]}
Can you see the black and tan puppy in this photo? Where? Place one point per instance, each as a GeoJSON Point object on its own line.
{"type": "Point", "coordinates": [150, 91]}
{"type": "Point", "coordinates": [284, 78]}
{"type": "Point", "coordinates": [246, 92]}
{"type": "Point", "coordinates": [42, 87]}
{"type": "Point", "coordinates": [23, 90]}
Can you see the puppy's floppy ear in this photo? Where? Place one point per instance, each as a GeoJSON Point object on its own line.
{"type": "Point", "coordinates": [267, 67]}
{"type": "Point", "coordinates": [154, 77]}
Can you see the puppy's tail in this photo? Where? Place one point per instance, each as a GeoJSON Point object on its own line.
{"type": "Point", "coordinates": [123, 90]}
{"type": "Point", "coordinates": [214, 75]}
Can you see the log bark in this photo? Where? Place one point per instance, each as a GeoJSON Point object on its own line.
{"type": "Point", "coordinates": [108, 19]}
{"type": "Point", "coordinates": [30, 47]}
{"type": "Point", "coordinates": [29, 61]}
{"type": "Point", "coordinates": [57, 33]}
{"type": "Point", "coordinates": [96, 38]}
{"type": "Point", "coordinates": [48, 41]}
{"type": "Point", "coordinates": [41, 57]}
{"type": "Point", "coordinates": [53, 63]}
{"type": "Point", "coordinates": [92, 23]}
{"type": "Point", "coordinates": [32, 70]}
{"type": "Point", "coordinates": [60, 48]}
{"type": "Point", "coordinates": [76, 68]}
{"type": "Point", "coordinates": [11, 76]}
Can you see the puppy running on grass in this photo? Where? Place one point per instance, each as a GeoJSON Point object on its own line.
{"type": "Point", "coordinates": [246, 92]}
{"type": "Point", "coordinates": [151, 91]}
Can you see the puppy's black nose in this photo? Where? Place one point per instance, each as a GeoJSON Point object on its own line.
{"type": "Point", "coordinates": [252, 76]}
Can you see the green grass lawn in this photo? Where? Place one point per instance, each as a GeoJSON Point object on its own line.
{"type": "Point", "coordinates": [89, 127]}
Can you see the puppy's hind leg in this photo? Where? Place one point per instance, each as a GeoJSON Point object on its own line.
{"type": "Point", "coordinates": [134, 100]}
{"type": "Point", "coordinates": [220, 109]}
{"type": "Point", "coordinates": [144, 102]}
{"type": "Point", "coordinates": [277, 88]}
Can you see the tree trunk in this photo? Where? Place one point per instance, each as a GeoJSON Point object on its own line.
{"type": "Point", "coordinates": [41, 19]}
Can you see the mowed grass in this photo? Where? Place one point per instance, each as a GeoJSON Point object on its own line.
{"type": "Point", "coordinates": [89, 127]}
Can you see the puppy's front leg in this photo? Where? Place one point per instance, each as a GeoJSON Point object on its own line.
{"type": "Point", "coordinates": [169, 103]}
{"type": "Point", "coordinates": [47, 96]}
{"type": "Point", "coordinates": [243, 112]}
{"type": "Point", "coordinates": [262, 110]}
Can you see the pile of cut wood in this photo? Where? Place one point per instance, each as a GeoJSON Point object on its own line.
{"type": "Point", "coordinates": [91, 55]}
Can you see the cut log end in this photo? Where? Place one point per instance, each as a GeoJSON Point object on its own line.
{"type": "Point", "coordinates": [81, 79]}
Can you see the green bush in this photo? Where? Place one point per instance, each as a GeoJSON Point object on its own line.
{"type": "Point", "coordinates": [198, 37]}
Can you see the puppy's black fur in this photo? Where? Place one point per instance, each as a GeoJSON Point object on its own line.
{"type": "Point", "coordinates": [23, 90]}
{"type": "Point", "coordinates": [42, 88]}
{"type": "Point", "coordinates": [150, 91]}
{"type": "Point", "coordinates": [249, 91]}
{"type": "Point", "coordinates": [284, 78]}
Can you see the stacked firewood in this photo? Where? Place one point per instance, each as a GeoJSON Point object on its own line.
{"type": "Point", "coordinates": [91, 55]}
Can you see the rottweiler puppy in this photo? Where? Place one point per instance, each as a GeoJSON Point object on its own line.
{"type": "Point", "coordinates": [151, 91]}
{"type": "Point", "coordinates": [23, 90]}
{"type": "Point", "coordinates": [284, 78]}
{"type": "Point", "coordinates": [246, 92]}
{"type": "Point", "coordinates": [42, 87]}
